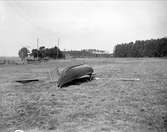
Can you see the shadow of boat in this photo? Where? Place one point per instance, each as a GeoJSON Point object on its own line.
{"type": "Point", "coordinates": [78, 81]}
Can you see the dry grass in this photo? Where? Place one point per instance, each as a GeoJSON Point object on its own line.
{"type": "Point", "coordinates": [103, 105]}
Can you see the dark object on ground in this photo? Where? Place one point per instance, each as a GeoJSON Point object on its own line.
{"type": "Point", "coordinates": [75, 72]}
{"type": "Point", "coordinates": [79, 81]}
{"type": "Point", "coordinates": [27, 80]}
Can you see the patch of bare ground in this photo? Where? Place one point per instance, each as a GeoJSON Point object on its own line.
{"type": "Point", "coordinates": [103, 105]}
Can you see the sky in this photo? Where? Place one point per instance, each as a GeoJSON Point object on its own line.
{"type": "Point", "coordinates": [92, 24]}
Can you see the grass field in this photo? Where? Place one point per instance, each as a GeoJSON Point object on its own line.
{"type": "Point", "coordinates": [104, 105]}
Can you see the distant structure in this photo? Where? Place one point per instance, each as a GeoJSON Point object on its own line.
{"type": "Point", "coordinates": [86, 53]}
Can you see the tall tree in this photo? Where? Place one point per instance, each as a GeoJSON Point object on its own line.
{"type": "Point", "coordinates": [23, 53]}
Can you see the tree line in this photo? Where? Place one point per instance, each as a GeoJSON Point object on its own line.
{"type": "Point", "coordinates": [41, 53]}
{"type": "Point", "coordinates": [142, 48]}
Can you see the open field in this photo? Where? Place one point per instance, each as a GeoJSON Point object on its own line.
{"type": "Point", "coordinates": [104, 105]}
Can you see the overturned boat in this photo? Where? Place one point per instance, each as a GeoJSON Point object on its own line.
{"type": "Point", "coordinates": [72, 73]}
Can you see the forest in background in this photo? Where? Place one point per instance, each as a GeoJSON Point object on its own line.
{"type": "Point", "coordinates": [142, 48]}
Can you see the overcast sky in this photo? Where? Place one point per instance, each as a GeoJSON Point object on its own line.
{"type": "Point", "coordinates": [79, 24]}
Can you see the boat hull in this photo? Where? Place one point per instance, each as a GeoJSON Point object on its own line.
{"type": "Point", "coordinates": [74, 72]}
